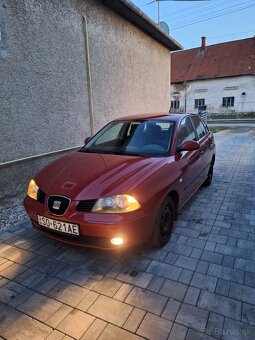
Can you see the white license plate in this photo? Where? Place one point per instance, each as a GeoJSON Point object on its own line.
{"type": "Point", "coordinates": [63, 227]}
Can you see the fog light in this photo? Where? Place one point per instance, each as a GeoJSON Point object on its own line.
{"type": "Point", "coordinates": [117, 241]}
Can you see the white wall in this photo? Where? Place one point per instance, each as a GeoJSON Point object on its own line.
{"type": "Point", "coordinates": [214, 90]}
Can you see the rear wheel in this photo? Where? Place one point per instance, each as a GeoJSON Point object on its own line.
{"type": "Point", "coordinates": [208, 180]}
{"type": "Point", "coordinates": [164, 223]}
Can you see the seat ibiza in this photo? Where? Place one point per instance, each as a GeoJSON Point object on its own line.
{"type": "Point", "coordinates": [126, 185]}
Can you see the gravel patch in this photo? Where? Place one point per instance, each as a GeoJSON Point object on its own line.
{"type": "Point", "coordinates": [12, 212]}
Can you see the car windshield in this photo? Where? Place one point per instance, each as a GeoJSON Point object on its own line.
{"type": "Point", "coordinates": [147, 138]}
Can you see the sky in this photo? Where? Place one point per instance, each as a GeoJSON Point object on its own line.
{"type": "Point", "coordinates": [190, 20]}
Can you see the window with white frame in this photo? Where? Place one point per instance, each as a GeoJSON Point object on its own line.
{"type": "Point", "coordinates": [175, 104]}
{"type": "Point", "coordinates": [228, 101]}
{"type": "Point", "coordinates": [199, 102]}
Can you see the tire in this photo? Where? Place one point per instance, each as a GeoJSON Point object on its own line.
{"type": "Point", "coordinates": [208, 180]}
{"type": "Point", "coordinates": [164, 223]}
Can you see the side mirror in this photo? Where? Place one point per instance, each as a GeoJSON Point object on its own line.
{"type": "Point", "coordinates": [86, 140]}
{"type": "Point", "coordinates": [190, 145]}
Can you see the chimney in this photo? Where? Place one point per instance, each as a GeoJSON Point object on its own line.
{"type": "Point", "coordinates": [203, 42]}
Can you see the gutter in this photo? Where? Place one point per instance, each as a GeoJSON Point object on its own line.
{"type": "Point", "coordinates": [137, 17]}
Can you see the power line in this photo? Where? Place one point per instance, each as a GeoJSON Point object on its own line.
{"type": "Point", "coordinates": [218, 11]}
{"type": "Point", "coordinates": [209, 18]}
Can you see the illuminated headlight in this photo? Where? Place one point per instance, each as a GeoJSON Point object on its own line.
{"type": "Point", "coordinates": [32, 190]}
{"type": "Point", "coordinates": [116, 204]}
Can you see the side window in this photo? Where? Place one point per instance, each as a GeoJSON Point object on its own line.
{"type": "Point", "coordinates": [186, 131]}
{"type": "Point", "coordinates": [199, 127]}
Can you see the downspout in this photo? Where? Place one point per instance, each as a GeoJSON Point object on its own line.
{"type": "Point", "coordinates": [89, 79]}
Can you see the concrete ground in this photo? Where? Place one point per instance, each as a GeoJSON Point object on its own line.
{"type": "Point", "coordinates": [200, 286]}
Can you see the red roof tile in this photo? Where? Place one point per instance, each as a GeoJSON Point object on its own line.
{"type": "Point", "coordinates": [216, 61]}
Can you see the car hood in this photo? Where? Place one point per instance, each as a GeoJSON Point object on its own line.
{"type": "Point", "coordinates": [81, 175]}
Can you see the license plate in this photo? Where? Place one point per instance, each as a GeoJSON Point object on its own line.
{"type": "Point", "coordinates": [62, 227]}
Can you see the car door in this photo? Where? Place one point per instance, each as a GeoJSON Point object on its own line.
{"type": "Point", "coordinates": [189, 161]}
{"type": "Point", "coordinates": [203, 138]}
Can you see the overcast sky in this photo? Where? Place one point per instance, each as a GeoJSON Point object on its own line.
{"type": "Point", "coordinates": [239, 23]}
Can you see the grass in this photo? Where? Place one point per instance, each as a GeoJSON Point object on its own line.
{"type": "Point", "coordinates": [232, 116]}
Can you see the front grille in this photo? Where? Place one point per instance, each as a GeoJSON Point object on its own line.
{"type": "Point", "coordinates": [57, 205]}
{"type": "Point", "coordinates": [41, 196]}
{"type": "Point", "coordinates": [86, 205]}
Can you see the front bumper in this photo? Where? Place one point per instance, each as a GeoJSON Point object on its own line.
{"type": "Point", "coordinates": [96, 229]}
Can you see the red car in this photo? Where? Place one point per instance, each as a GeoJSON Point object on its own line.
{"type": "Point", "coordinates": [126, 185]}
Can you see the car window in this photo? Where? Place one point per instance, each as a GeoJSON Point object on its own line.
{"type": "Point", "coordinates": [186, 131]}
{"type": "Point", "coordinates": [141, 138]}
{"type": "Point", "coordinates": [111, 134]}
{"type": "Point", "coordinates": [199, 127]}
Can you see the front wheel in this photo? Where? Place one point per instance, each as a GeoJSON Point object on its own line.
{"type": "Point", "coordinates": [208, 180]}
{"type": "Point", "coordinates": [164, 223]}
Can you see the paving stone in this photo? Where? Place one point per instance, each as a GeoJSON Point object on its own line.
{"type": "Point", "coordinates": [77, 274]}
{"type": "Point", "coordinates": [210, 256]}
{"type": "Point", "coordinates": [87, 301]}
{"type": "Point", "coordinates": [94, 330]}
{"type": "Point", "coordinates": [142, 279]}
{"type": "Point", "coordinates": [133, 321]}
{"type": "Point", "coordinates": [180, 249]}
{"type": "Point", "coordinates": [50, 266]}
{"type": "Point", "coordinates": [148, 301]}
{"type": "Point", "coordinates": [234, 330]}
{"type": "Point", "coordinates": [54, 320]}
{"type": "Point", "coordinates": [46, 284]}
{"type": "Point", "coordinates": [27, 328]}
{"type": "Point", "coordinates": [192, 295]}
{"type": "Point", "coordinates": [186, 262]}
{"type": "Point", "coordinates": [13, 271]}
{"type": "Point", "coordinates": [220, 305]}
{"type": "Point", "coordinates": [248, 314]}
{"type": "Point", "coordinates": [186, 276]}
{"type": "Point", "coordinates": [246, 265]}
{"type": "Point", "coordinates": [171, 258]}
{"type": "Point", "coordinates": [7, 316]}
{"type": "Point", "coordinates": [56, 335]}
{"type": "Point", "coordinates": [166, 270]}
{"type": "Point", "coordinates": [14, 294]}
{"type": "Point", "coordinates": [204, 282]}
{"type": "Point", "coordinates": [226, 273]}
{"type": "Point", "coordinates": [218, 238]}
{"type": "Point", "coordinates": [210, 246]}
{"type": "Point", "coordinates": [178, 332]}
{"type": "Point", "coordinates": [123, 292]}
{"type": "Point", "coordinates": [76, 323]}
{"type": "Point", "coordinates": [175, 290]}
{"type": "Point", "coordinates": [202, 267]}
{"type": "Point", "coordinates": [113, 332]}
{"type": "Point", "coordinates": [156, 284]}
{"type": "Point", "coordinates": [215, 325]}
{"type": "Point", "coordinates": [223, 287]}
{"type": "Point", "coordinates": [118, 314]}
{"type": "Point", "coordinates": [107, 286]}
{"type": "Point", "coordinates": [192, 316]}
{"type": "Point", "coordinates": [68, 293]}
{"type": "Point", "coordinates": [230, 250]}
{"type": "Point", "coordinates": [171, 309]}
{"type": "Point", "coordinates": [154, 327]}
{"type": "Point", "coordinates": [234, 233]}
{"type": "Point", "coordinates": [228, 261]}
{"type": "Point", "coordinates": [39, 306]}
{"type": "Point", "coordinates": [243, 293]}
{"type": "Point", "coordinates": [30, 278]}
{"type": "Point", "coordinates": [196, 253]}
{"type": "Point", "coordinates": [197, 243]}
{"type": "Point", "coordinates": [250, 279]}
{"type": "Point", "coordinates": [195, 335]}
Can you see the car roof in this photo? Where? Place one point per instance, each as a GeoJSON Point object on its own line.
{"type": "Point", "coordinates": [158, 116]}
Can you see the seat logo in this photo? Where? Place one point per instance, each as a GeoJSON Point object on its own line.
{"type": "Point", "coordinates": [56, 205]}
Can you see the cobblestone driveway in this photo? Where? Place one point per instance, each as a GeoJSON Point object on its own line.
{"type": "Point", "coordinates": [203, 281]}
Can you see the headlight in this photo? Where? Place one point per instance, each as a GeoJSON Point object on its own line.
{"type": "Point", "coordinates": [32, 190]}
{"type": "Point", "coordinates": [116, 204]}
